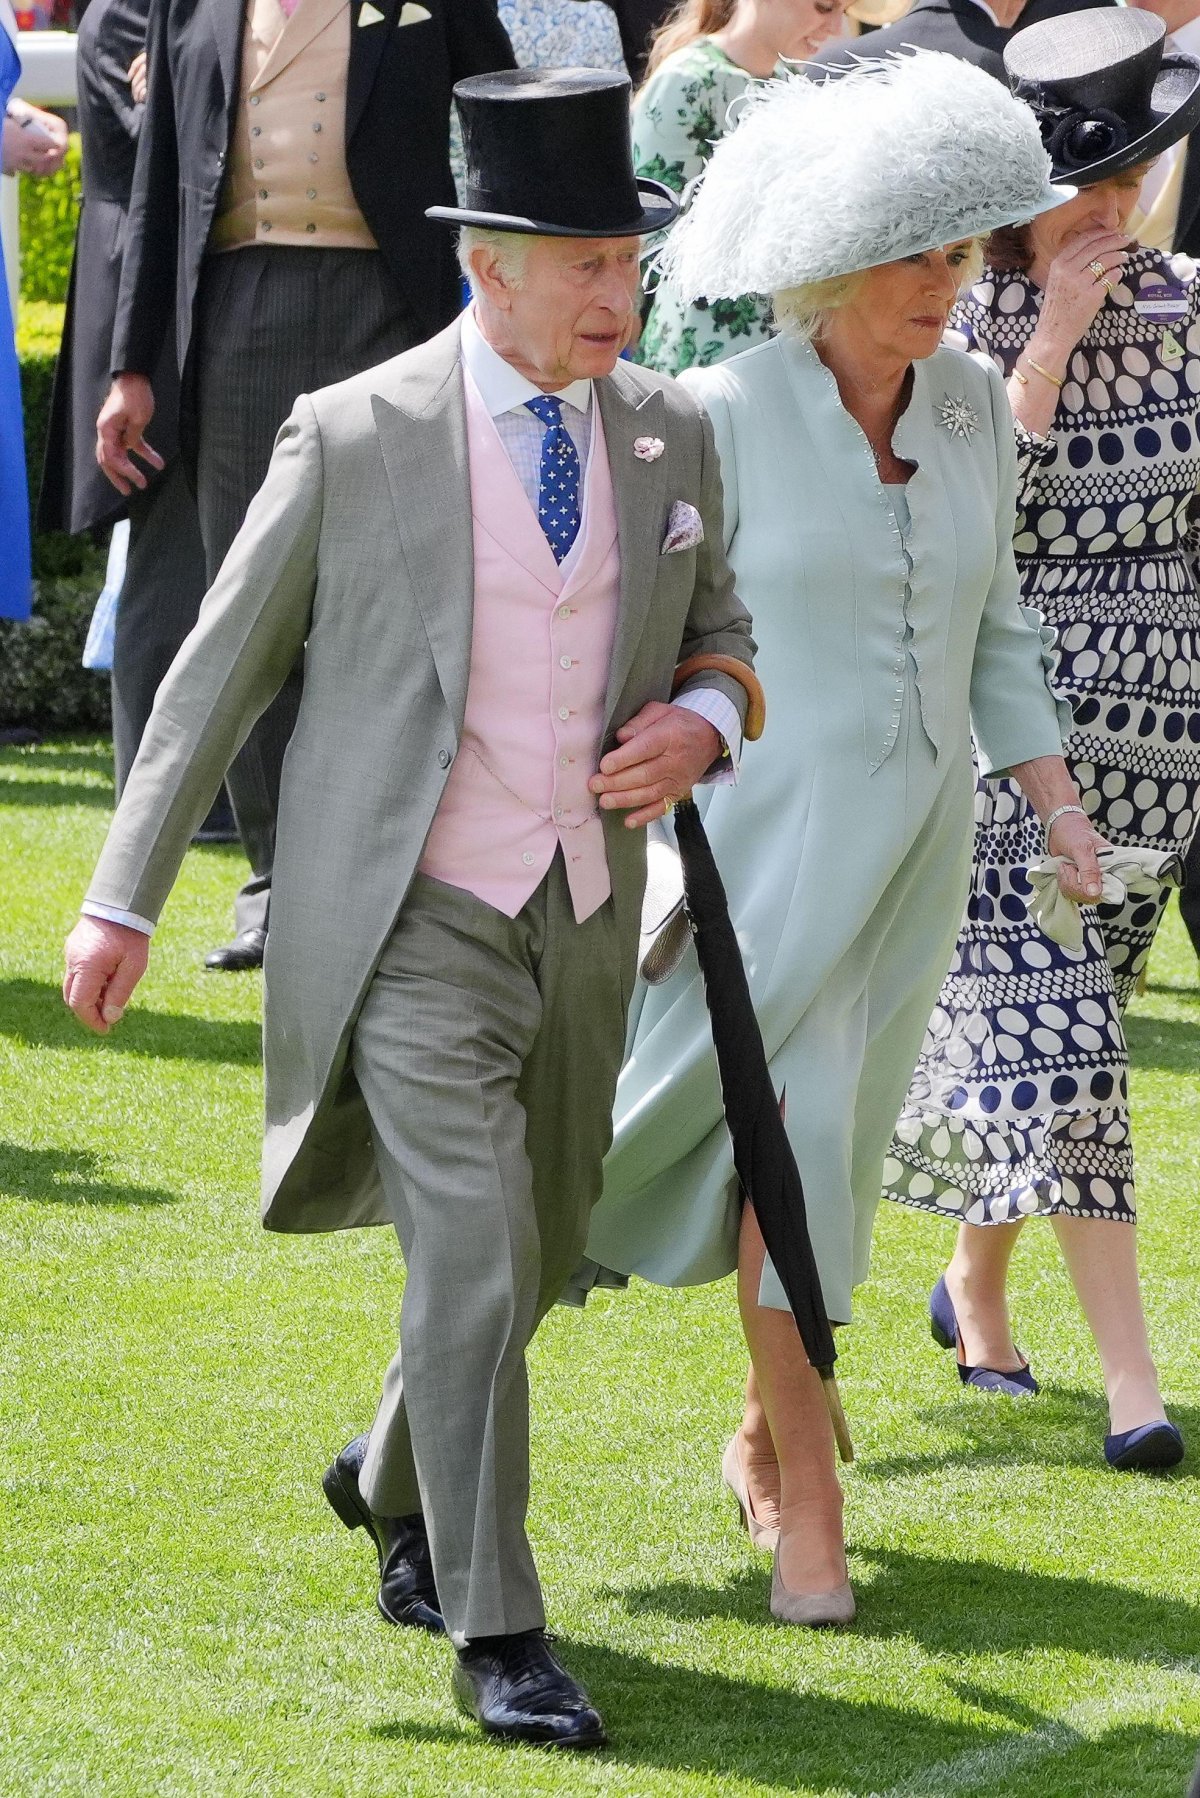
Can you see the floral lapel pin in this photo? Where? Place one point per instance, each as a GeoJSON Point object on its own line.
{"type": "Point", "coordinates": [958, 417]}
{"type": "Point", "coordinates": [648, 449]}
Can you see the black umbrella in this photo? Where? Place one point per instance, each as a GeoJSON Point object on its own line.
{"type": "Point", "coordinates": [762, 1154]}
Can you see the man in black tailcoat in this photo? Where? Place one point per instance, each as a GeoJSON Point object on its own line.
{"type": "Point", "coordinates": [287, 155]}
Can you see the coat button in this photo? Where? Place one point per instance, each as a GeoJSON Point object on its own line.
{"type": "Point", "coordinates": [312, 193]}
{"type": "Point", "coordinates": [258, 162]}
{"type": "Point", "coordinates": [320, 96]}
{"type": "Point", "coordinates": [310, 227]}
{"type": "Point", "coordinates": [443, 758]}
{"type": "Point", "coordinates": [263, 194]}
{"type": "Point", "coordinates": [255, 131]}
{"type": "Point", "coordinates": [316, 125]}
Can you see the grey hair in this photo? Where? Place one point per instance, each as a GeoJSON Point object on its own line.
{"type": "Point", "coordinates": [511, 249]}
{"type": "Point", "coordinates": [802, 311]}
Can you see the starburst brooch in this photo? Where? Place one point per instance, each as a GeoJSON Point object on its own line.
{"type": "Point", "coordinates": [959, 418]}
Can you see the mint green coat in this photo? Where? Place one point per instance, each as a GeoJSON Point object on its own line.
{"type": "Point", "coordinates": [846, 844]}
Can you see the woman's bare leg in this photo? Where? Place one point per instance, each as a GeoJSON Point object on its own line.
{"type": "Point", "coordinates": [812, 1555]}
{"type": "Point", "coordinates": [759, 1462]}
{"type": "Point", "coordinates": [1101, 1258]}
{"type": "Point", "coordinates": [976, 1279]}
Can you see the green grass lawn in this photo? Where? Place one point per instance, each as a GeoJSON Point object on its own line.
{"type": "Point", "coordinates": [181, 1614]}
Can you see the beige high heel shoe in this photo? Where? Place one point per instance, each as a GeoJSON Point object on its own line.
{"type": "Point", "coordinates": [817, 1610]}
{"type": "Point", "coordinates": [762, 1535]}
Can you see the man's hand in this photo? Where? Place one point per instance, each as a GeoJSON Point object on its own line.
{"type": "Point", "coordinates": [119, 432]}
{"type": "Point", "coordinates": [663, 752]}
{"type": "Point", "coordinates": [105, 961]}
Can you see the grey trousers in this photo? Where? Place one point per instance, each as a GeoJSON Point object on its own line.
{"type": "Point", "coordinates": [273, 323]}
{"type": "Point", "coordinates": [160, 597]}
{"type": "Point", "coordinates": [487, 1052]}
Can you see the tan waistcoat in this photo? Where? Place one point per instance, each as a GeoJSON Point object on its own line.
{"type": "Point", "coordinates": [287, 182]}
{"type": "Point", "coordinates": [1157, 227]}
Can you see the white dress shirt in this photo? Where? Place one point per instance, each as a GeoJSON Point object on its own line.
{"type": "Point", "coordinates": [505, 391]}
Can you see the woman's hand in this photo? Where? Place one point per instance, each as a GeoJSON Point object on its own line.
{"type": "Point", "coordinates": [35, 141]}
{"type": "Point", "coordinates": [1076, 839]}
{"type": "Point", "coordinates": [136, 76]}
{"type": "Point", "coordinates": [1074, 293]}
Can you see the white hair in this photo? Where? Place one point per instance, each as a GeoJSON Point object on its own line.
{"type": "Point", "coordinates": [511, 249]}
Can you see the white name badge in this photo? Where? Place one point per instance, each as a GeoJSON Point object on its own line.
{"type": "Point", "coordinates": [1167, 305]}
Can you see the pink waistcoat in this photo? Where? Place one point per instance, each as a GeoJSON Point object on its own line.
{"type": "Point", "coordinates": [541, 645]}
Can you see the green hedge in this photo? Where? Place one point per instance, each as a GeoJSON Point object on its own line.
{"type": "Point", "coordinates": [49, 210]}
{"type": "Point", "coordinates": [42, 684]}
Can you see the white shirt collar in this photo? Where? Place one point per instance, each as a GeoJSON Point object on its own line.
{"type": "Point", "coordinates": [502, 388]}
{"type": "Point", "coordinates": [1187, 38]}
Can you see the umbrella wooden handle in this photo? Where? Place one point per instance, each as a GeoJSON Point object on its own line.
{"type": "Point", "coordinates": [837, 1417]}
{"type": "Point", "coordinates": [756, 705]}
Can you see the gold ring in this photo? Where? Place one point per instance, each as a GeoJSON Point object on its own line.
{"type": "Point", "coordinates": [1108, 288]}
{"type": "Point", "coordinates": [1098, 269]}
{"type": "Point", "coordinates": [668, 806]}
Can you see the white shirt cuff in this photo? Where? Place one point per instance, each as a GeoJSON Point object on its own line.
{"type": "Point", "coordinates": [719, 710]}
{"type": "Point", "coordinates": [112, 915]}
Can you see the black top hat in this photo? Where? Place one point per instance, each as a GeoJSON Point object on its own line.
{"type": "Point", "coordinates": [548, 152]}
{"type": "Point", "coordinates": [1105, 96]}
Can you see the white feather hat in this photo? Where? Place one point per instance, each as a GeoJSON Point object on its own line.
{"type": "Point", "coordinates": [903, 154]}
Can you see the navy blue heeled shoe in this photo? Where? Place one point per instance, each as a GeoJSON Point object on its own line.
{"type": "Point", "coordinates": [1149, 1448]}
{"type": "Point", "coordinates": [943, 1327]}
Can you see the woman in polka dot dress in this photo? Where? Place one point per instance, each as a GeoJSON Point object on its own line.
{"type": "Point", "coordinates": [1019, 1104]}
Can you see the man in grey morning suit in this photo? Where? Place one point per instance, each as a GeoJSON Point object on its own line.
{"type": "Point", "coordinates": [502, 552]}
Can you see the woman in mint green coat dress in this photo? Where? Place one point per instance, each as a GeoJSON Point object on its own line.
{"type": "Point", "coordinates": [870, 486]}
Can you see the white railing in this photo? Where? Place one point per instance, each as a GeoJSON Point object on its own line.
{"type": "Point", "coordinates": [47, 79]}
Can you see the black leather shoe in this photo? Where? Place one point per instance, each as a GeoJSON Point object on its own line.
{"type": "Point", "coordinates": [245, 951]}
{"type": "Point", "coordinates": [517, 1689]}
{"type": "Point", "coordinates": [407, 1591]}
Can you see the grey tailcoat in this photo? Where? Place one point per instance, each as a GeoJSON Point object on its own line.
{"type": "Point", "coordinates": [358, 548]}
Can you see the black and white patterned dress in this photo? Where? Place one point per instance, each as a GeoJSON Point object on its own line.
{"type": "Point", "coordinates": [1019, 1104]}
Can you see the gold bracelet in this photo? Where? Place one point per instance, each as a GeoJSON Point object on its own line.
{"type": "Point", "coordinates": [1018, 376]}
{"type": "Point", "coordinates": [1044, 372]}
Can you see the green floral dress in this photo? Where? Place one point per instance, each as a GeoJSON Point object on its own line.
{"type": "Point", "coordinates": [677, 118]}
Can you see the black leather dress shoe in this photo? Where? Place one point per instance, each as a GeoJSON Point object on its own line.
{"type": "Point", "coordinates": [245, 951]}
{"type": "Point", "coordinates": [516, 1688]}
{"type": "Point", "coordinates": [407, 1591]}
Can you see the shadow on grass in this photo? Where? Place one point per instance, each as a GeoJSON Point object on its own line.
{"type": "Point", "coordinates": [32, 1011]}
{"type": "Point", "coordinates": [1170, 1044]}
{"type": "Point", "coordinates": [1064, 1427]}
{"type": "Point", "coordinates": [969, 1607]}
{"type": "Point", "coordinates": [68, 1177]}
{"type": "Point", "coordinates": [53, 792]}
{"type": "Point", "coordinates": [683, 1719]}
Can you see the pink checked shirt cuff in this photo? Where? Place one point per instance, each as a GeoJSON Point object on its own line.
{"type": "Point", "coordinates": [722, 714]}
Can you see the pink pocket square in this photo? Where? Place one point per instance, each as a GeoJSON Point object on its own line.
{"type": "Point", "coordinates": [685, 529]}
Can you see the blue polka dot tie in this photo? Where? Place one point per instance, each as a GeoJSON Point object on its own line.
{"type": "Point", "coordinates": [558, 478]}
